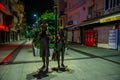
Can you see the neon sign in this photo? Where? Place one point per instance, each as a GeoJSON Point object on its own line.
{"type": "Point", "coordinates": [2, 7]}
{"type": "Point", "coordinates": [3, 28]}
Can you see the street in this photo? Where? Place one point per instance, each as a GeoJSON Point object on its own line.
{"type": "Point", "coordinates": [80, 67]}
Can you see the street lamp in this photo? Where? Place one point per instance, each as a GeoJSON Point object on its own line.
{"type": "Point", "coordinates": [36, 19]}
{"type": "Point", "coordinates": [35, 15]}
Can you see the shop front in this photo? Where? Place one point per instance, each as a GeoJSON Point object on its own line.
{"type": "Point", "coordinates": [91, 38]}
{"type": "Point", "coordinates": [111, 30]}
{"type": "Point", "coordinates": [5, 24]}
{"type": "Point", "coordinates": [98, 32]}
{"type": "Point", "coordinates": [76, 38]}
{"type": "Point", "coordinates": [69, 36]}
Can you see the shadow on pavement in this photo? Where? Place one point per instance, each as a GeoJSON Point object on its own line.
{"type": "Point", "coordinates": [65, 69]}
{"type": "Point", "coordinates": [38, 75]}
{"type": "Point", "coordinates": [41, 75]}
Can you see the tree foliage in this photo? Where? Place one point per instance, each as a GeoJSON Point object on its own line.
{"type": "Point", "coordinates": [50, 20]}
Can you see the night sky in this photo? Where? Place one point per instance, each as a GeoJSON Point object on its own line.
{"type": "Point", "coordinates": [37, 7]}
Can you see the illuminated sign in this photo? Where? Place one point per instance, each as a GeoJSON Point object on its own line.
{"type": "Point", "coordinates": [109, 19]}
{"type": "Point", "coordinates": [113, 39]}
{"type": "Point", "coordinates": [3, 28]}
{"type": "Point", "coordinates": [3, 9]}
{"type": "Point", "coordinates": [2, 6]}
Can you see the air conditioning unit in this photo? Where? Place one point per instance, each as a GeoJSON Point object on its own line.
{"type": "Point", "coordinates": [89, 16]}
{"type": "Point", "coordinates": [106, 12]}
{"type": "Point", "coordinates": [75, 22]}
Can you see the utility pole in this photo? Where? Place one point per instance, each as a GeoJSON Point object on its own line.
{"type": "Point", "coordinates": [55, 21]}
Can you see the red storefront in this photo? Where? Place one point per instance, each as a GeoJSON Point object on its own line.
{"type": "Point", "coordinates": [5, 23]}
{"type": "Point", "coordinates": [91, 38]}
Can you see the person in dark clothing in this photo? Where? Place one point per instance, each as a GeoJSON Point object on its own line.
{"type": "Point", "coordinates": [44, 45]}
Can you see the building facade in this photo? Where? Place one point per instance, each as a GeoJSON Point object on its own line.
{"type": "Point", "coordinates": [103, 16]}
{"type": "Point", "coordinates": [76, 13]}
{"type": "Point", "coordinates": [17, 10]}
{"type": "Point", "coordinates": [5, 21]}
{"type": "Point", "coordinates": [11, 20]}
{"type": "Point", "coordinates": [91, 22]}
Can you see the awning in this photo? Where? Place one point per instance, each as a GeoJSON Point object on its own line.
{"type": "Point", "coordinates": [3, 9]}
{"type": "Point", "coordinates": [85, 23]}
{"type": "Point", "coordinates": [88, 22]}
{"type": "Point", "coordinates": [104, 19]}
{"type": "Point", "coordinates": [110, 18]}
{"type": "Point", "coordinates": [70, 27]}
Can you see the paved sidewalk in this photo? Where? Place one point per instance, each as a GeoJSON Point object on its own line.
{"type": "Point", "coordinates": [8, 48]}
{"type": "Point", "coordinates": [81, 67]}
{"type": "Point", "coordinates": [110, 54]}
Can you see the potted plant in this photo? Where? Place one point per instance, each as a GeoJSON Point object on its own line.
{"type": "Point", "coordinates": [36, 45]}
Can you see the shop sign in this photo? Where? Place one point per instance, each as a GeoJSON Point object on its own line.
{"type": "Point", "coordinates": [109, 19]}
{"type": "Point", "coordinates": [3, 9]}
{"type": "Point", "coordinates": [3, 28]}
{"type": "Point", "coordinates": [113, 39]}
{"type": "Point", "coordinates": [2, 6]}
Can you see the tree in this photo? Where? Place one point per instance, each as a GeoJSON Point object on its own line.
{"type": "Point", "coordinates": [50, 20]}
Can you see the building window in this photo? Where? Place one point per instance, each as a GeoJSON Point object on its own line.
{"type": "Point", "coordinates": [106, 4]}
{"type": "Point", "coordinates": [1, 18]}
{"type": "Point", "coordinates": [90, 12]}
{"type": "Point", "coordinates": [118, 2]}
{"type": "Point", "coordinates": [111, 3]}
{"type": "Point", "coordinates": [76, 19]}
{"type": "Point", "coordinates": [114, 3]}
